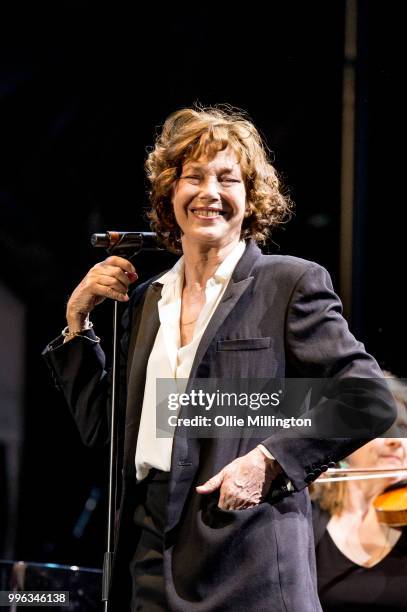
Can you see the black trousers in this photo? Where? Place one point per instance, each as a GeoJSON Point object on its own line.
{"type": "Point", "coordinates": [147, 568]}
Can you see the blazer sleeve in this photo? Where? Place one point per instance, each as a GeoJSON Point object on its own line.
{"type": "Point", "coordinates": [320, 345]}
{"type": "Point", "coordinates": [79, 371]}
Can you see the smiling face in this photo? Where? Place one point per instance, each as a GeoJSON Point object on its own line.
{"type": "Point", "coordinates": [209, 200]}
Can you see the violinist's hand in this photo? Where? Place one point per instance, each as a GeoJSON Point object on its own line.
{"type": "Point", "coordinates": [107, 279]}
{"type": "Point", "coordinates": [243, 483]}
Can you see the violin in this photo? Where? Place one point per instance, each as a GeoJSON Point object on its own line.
{"type": "Point", "coordinates": [391, 505]}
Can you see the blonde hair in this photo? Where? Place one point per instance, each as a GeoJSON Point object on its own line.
{"type": "Point", "coordinates": [192, 133]}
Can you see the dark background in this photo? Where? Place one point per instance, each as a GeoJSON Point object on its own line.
{"type": "Point", "coordinates": [82, 91]}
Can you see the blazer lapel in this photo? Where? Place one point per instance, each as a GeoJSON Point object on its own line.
{"type": "Point", "coordinates": [238, 284]}
{"type": "Point", "coordinates": [232, 294]}
{"type": "Point", "coordinates": [141, 343]}
{"type": "Point", "coordinates": [143, 333]}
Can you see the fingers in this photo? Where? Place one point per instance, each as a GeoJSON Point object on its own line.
{"type": "Point", "coordinates": [233, 498]}
{"type": "Point", "coordinates": [108, 279]}
{"type": "Point", "coordinates": [111, 277]}
{"type": "Point", "coordinates": [211, 485]}
{"type": "Point", "coordinates": [114, 272]}
{"type": "Point", "coordinates": [112, 289]}
{"type": "Point", "coordinates": [228, 497]}
{"type": "Point", "coordinates": [229, 502]}
{"type": "Point", "coordinates": [126, 274]}
{"type": "Point", "coordinates": [243, 483]}
{"type": "Point", "coordinates": [118, 262]}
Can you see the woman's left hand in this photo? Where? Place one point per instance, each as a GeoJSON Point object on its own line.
{"type": "Point", "coordinates": [244, 482]}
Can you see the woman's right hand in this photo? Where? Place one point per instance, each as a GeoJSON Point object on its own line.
{"type": "Point", "coordinates": [108, 279]}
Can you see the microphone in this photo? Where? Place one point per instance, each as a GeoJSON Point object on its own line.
{"type": "Point", "coordinates": [126, 241]}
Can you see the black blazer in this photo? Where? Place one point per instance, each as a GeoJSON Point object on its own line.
{"type": "Point", "coordinates": [263, 557]}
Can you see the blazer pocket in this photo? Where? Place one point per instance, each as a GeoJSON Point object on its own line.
{"type": "Point", "coordinates": [243, 344]}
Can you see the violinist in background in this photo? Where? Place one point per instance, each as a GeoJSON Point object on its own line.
{"type": "Point", "coordinates": [362, 562]}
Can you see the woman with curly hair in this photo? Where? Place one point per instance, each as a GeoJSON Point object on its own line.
{"type": "Point", "coordinates": [202, 134]}
{"type": "Point", "coordinates": [212, 524]}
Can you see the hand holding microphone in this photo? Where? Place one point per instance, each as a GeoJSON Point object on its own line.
{"type": "Point", "coordinates": [110, 278]}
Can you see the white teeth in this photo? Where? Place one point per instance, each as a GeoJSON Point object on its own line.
{"type": "Point", "coordinates": [207, 213]}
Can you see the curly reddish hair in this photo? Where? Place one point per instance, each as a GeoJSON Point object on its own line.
{"type": "Point", "coordinates": [193, 133]}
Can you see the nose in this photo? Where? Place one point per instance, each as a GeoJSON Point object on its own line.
{"type": "Point", "coordinates": [393, 443]}
{"type": "Point", "coordinates": [209, 189]}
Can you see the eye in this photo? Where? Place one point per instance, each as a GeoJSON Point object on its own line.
{"type": "Point", "coordinates": [192, 178]}
{"type": "Point", "coordinates": [229, 179]}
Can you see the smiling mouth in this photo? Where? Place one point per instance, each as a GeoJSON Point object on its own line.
{"type": "Point", "coordinates": [393, 457]}
{"type": "Point", "coordinates": [207, 212]}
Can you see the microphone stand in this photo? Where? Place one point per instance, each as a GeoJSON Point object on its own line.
{"type": "Point", "coordinates": [122, 246]}
{"type": "Point", "coordinates": [112, 486]}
